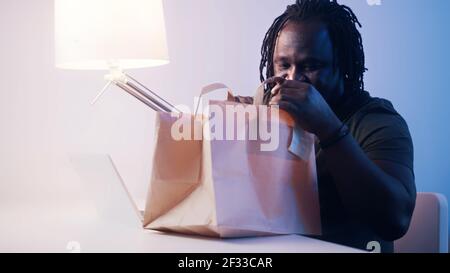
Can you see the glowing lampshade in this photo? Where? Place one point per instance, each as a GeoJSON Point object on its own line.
{"type": "Point", "coordinates": [103, 34]}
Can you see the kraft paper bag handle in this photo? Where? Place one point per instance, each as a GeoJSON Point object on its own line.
{"type": "Point", "coordinates": [208, 89]}
{"type": "Point", "coordinates": [302, 142]}
{"type": "Point", "coordinates": [258, 98]}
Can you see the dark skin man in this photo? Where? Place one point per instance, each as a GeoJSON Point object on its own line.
{"type": "Point", "coordinates": [379, 193]}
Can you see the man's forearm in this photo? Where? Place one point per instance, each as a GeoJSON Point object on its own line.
{"type": "Point", "coordinates": [369, 193]}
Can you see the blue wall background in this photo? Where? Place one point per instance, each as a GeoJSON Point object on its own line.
{"type": "Point", "coordinates": [407, 45]}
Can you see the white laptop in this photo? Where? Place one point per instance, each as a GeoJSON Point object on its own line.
{"type": "Point", "coordinates": [105, 187]}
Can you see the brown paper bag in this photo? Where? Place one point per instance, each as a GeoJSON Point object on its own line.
{"type": "Point", "coordinates": [230, 188]}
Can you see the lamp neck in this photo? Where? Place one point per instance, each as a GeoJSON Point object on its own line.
{"type": "Point", "coordinates": [116, 75]}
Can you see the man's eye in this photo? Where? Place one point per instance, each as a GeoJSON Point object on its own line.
{"type": "Point", "coordinates": [311, 67]}
{"type": "Point", "coordinates": [284, 65]}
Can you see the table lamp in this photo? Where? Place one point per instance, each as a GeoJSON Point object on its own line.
{"type": "Point", "coordinates": [113, 35]}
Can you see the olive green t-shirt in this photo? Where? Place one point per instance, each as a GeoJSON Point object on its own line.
{"type": "Point", "coordinates": [383, 135]}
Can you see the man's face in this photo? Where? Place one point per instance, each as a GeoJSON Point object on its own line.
{"type": "Point", "coordinates": [304, 52]}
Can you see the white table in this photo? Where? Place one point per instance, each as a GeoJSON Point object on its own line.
{"type": "Point", "coordinates": [109, 224]}
{"type": "Point", "coordinates": [28, 229]}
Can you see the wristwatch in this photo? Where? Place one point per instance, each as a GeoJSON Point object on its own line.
{"type": "Point", "coordinates": [337, 136]}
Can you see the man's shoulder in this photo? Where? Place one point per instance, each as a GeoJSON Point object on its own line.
{"type": "Point", "coordinates": [377, 112]}
{"type": "Point", "coordinates": [377, 106]}
{"type": "Point", "coordinates": [377, 121]}
{"type": "Point", "coordinates": [383, 133]}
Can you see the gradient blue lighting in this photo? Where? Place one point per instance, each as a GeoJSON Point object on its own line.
{"type": "Point", "coordinates": [407, 46]}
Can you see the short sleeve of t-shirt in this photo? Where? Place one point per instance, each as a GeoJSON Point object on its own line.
{"type": "Point", "coordinates": [383, 134]}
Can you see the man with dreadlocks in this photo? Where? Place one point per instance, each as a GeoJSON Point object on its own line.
{"type": "Point", "coordinates": [313, 59]}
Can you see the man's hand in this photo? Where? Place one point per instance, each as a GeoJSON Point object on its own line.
{"type": "Point", "coordinates": [306, 105]}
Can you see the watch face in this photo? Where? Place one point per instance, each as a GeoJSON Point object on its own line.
{"type": "Point", "coordinates": [335, 138]}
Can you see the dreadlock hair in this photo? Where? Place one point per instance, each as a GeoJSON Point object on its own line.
{"type": "Point", "coordinates": [348, 51]}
